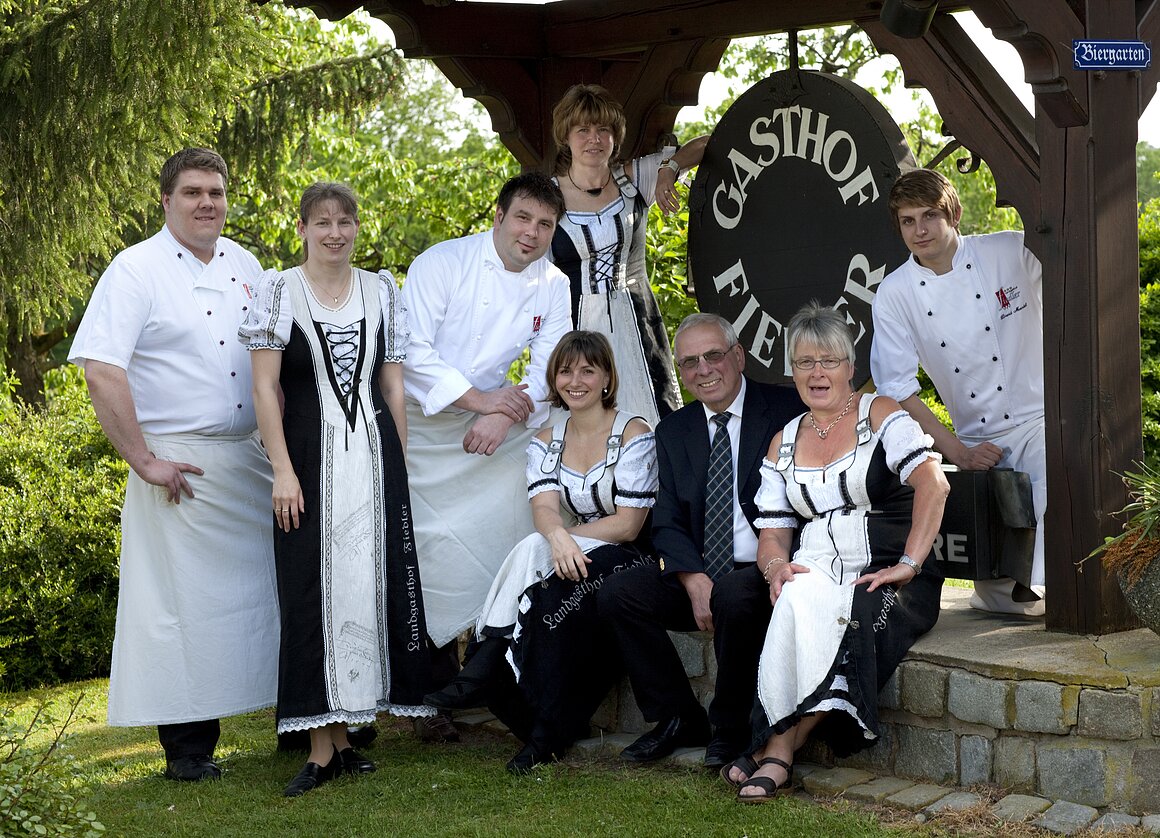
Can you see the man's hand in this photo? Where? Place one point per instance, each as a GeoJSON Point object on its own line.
{"type": "Point", "coordinates": [170, 476]}
{"type": "Point", "coordinates": [979, 457]}
{"type": "Point", "coordinates": [511, 402]}
{"type": "Point", "coordinates": [699, 586]}
{"type": "Point", "coordinates": [487, 433]}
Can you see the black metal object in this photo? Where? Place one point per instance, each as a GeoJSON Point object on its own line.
{"type": "Point", "coordinates": [988, 527]}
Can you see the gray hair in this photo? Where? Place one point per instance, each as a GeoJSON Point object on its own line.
{"type": "Point", "coordinates": [822, 326]}
{"type": "Point", "coordinates": [704, 318]}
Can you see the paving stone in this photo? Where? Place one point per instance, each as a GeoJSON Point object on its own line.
{"type": "Point", "coordinates": [974, 760]}
{"type": "Point", "coordinates": [612, 743]}
{"type": "Point", "coordinates": [924, 689]}
{"type": "Point", "coordinates": [926, 754]}
{"type": "Point", "coordinates": [1014, 762]}
{"type": "Point", "coordinates": [1151, 822]}
{"type": "Point", "coordinates": [1066, 818]}
{"type": "Point", "coordinates": [877, 789]}
{"type": "Point", "coordinates": [801, 770]}
{"type": "Point", "coordinates": [1113, 821]}
{"type": "Point", "coordinates": [1073, 774]}
{"type": "Point", "coordinates": [834, 781]}
{"type": "Point", "coordinates": [1145, 792]}
{"type": "Point", "coordinates": [953, 802]}
{"type": "Point", "coordinates": [1043, 707]}
{"type": "Point", "coordinates": [1017, 808]}
{"type": "Point", "coordinates": [691, 648]}
{"type": "Point", "coordinates": [918, 797]}
{"type": "Point", "coordinates": [889, 697]}
{"type": "Point", "coordinates": [973, 698]}
{"type": "Point", "coordinates": [474, 718]}
{"type": "Point", "coordinates": [689, 757]}
{"type": "Point", "coordinates": [494, 726]}
{"type": "Point", "coordinates": [1110, 715]}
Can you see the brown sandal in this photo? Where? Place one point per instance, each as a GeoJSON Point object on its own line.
{"type": "Point", "coordinates": [766, 784]}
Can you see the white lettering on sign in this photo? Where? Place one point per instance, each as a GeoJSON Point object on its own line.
{"type": "Point", "coordinates": [952, 548]}
{"type": "Point", "coordinates": [804, 134]}
{"type": "Point", "coordinates": [859, 264]}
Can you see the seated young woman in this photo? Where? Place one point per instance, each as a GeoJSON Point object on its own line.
{"type": "Point", "coordinates": [592, 479]}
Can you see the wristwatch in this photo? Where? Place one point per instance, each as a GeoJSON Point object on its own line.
{"type": "Point", "coordinates": [670, 163]}
{"type": "Point", "coordinates": [911, 563]}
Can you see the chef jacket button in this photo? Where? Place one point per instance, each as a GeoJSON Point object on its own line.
{"type": "Point", "coordinates": [239, 407]}
{"type": "Point", "coordinates": [978, 296]}
{"type": "Point", "coordinates": [233, 375]}
{"type": "Point", "coordinates": [944, 343]}
{"type": "Point", "coordinates": [987, 329]}
{"type": "Point", "coordinates": [956, 369]}
{"type": "Point", "coordinates": [994, 357]}
{"type": "Point", "coordinates": [223, 253]}
{"type": "Point", "coordinates": [922, 282]}
{"type": "Point", "coordinates": [233, 279]}
{"type": "Point", "coordinates": [178, 255]}
{"type": "Point", "coordinates": [968, 266]}
{"type": "Point", "coordinates": [983, 419]}
{"type": "Point", "coordinates": [485, 302]}
{"type": "Point", "coordinates": [245, 308]}
{"type": "Point", "coordinates": [473, 370]}
{"type": "Point", "coordinates": [1006, 415]}
{"type": "Point", "coordinates": [223, 343]}
{"type": "Point", "coordinates": [972, 395]}
{"type": "Point", "coordinates": [1000, 388]}
{"type": "Point", "coordinates": [930, 314]}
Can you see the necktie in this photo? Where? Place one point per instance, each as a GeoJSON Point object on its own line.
{"type": "Point", "coordinates": [719, 502]}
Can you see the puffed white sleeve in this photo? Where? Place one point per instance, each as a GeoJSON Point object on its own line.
{"type": "Point", "coordinates": [644, 175]}
{"type": "Point", "coordinates": [893, 354]}
{"type": "Point", "coordinates": [773, 508]}
{"type": "Point", "coordinates": [540, 481]}
{"type": "Point", "coordinates": [271, 316]}
{"type": "Point", "coordinates": [906, 446]}
{"type": "Point", "coordinates": [396, 326]}
{"type": "Point", "coordinates": [636, 473]}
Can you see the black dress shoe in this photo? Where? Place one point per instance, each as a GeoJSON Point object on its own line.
{"type": "Point", "coordinates": [472, 687]}
{"type": "Point", "coordinates": [437, 728]}
{"type": "Point", "coordinates": [312, 776]}
{"type": "Point", "coordinates": [531, 756]}
{"type": "Point", "coordinates": [722, 750]}
{"type": "Point", "coordinates": [666, 737]}
{"type": "Point", "coordinates": [193, 769]}
{"type": "Point", "coordinates": [362, 737]}
{"type": "Point", "coordinates": [351, 761]}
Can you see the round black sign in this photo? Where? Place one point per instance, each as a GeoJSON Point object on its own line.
{"type": "Point", "coordinates": [789, 205]}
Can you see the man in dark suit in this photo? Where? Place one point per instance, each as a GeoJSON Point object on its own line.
{"type": "Point", "coordinates": [706, 578]}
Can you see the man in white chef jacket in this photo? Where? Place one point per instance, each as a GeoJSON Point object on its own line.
{"type": "Point", "coordinates": [475, 304]}
{"type": "Point", "coordinates": [969, 311]}
{"type": "Point", "coordinates": [197, 612]}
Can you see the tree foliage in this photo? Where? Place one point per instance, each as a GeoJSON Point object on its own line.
{"type": "Point", "coordinates": [97, 93]}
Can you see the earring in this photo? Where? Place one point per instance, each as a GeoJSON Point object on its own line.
{"type": "Point", "coordinates": [604, 392]}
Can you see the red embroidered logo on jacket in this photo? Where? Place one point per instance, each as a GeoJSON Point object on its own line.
{"type": "Point", "coordinates": [1002, 297]}
{"type": "Point", "coordinates": [536, 323]}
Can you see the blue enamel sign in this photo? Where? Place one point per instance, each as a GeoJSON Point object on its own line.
{"type": "Point", "coordinates": [1111, 55]}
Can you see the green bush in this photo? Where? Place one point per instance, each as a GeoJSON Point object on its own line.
{"type": "Point", "coordinates": [1150, 369]}
{"type": "Point", "coordinates": [61, 485]}
{"type": "Point", "coordinates": [39, 790]}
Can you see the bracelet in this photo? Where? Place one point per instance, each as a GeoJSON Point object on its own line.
{"type": "Point", "coordinates": [911, 563]}
{"type": "Point", "coordinates": [670, 163]}
{"type": "Point", "coordinates": [769, 564]}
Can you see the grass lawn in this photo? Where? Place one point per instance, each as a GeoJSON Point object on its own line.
{"type": "Point", "coordinates": [427, 790]}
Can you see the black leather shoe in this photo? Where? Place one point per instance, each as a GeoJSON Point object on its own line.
{"type": "Point", "coordinates": [666, 737]}
{"type": "Point", "coordinates": [722, 750]}
{"type": "Point", "coordinates": [351, 761]}
{"type": "Point", "coordinates": [193, 769]}
{"type": "Point", "coordinates": [527, 759]}
{"type": "Point", "coordinates": [312, 776]}
{"type": "Point", "coordinates": [362, 737]}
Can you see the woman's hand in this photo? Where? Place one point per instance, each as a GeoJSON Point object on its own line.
{"type": "Point", "coordinates": [897, 575]}
{"type": "Point", "coordinates": [666, 191]}
{"type": "Point", "coordinates": [567, 557]}
{"type": "Point", "coordinates": [288, 500]}
{"type": "Point", "coordinates": [778, 572]}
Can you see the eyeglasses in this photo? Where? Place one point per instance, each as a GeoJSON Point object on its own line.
{"type": "Point", "coordinates": [805, 364]}
{"type": "Point", "coordinates": [713, 356]}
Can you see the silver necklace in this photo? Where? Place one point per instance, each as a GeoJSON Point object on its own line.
{"type": "Point", "coordinates": [824, 432]}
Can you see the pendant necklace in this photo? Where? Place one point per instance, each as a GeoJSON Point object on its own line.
{"type": "Point", "coordinates": [594, 191]}
{"type": "Point", "coordinates": [824, 432]}
{"type": "Point", "coordinates": [312, 285]}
